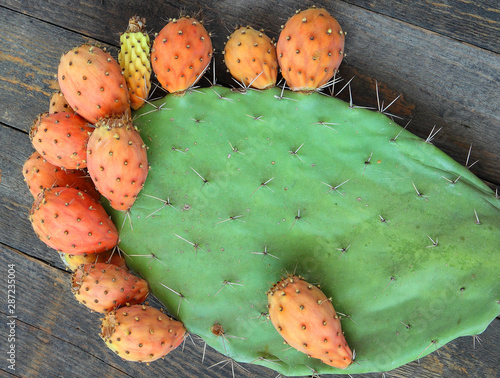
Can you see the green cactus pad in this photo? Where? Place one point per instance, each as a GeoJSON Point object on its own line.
{"type": "Point", "coordinates": [245, 188]}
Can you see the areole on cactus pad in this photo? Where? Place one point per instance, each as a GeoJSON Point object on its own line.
{"type": "Point", "coordinates": [247, 187]}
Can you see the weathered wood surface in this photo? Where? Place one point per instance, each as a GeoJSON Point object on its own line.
{"type": "Point", "coordinates": [441, 57]}
{"type": "Point", "coordinates": [473, 22]}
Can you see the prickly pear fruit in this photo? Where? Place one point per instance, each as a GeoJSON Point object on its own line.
{"type": "Point", "coordinates": [92, 83]}
{"type": "Point", "coordinates": [117, 161]}
{"type": "Point", "coordinates": [105, 287]}
{"type": "Point", "coordinates": [250, 57]}
{"type": "Point", "coordinates": [305, 317]}
{"type": "Point", "coordinates": [310, 49]}
{"type": "Point", "coordinates": [59, 104]}
{"type": "Point", "coordinates": [181, 53]}
{"type": "Point", "coordinates": [134, 59]}
{"type": "Point", "coordinates": [70, 221]}
{"type": "Point", "coordinates": [141, 333]}
{"type": "Point", "coordinates": [111, 256]}
{"type": "Point", "coordinates": [61, 138]}
{"type": "Point", "coordinates": [39, 174]}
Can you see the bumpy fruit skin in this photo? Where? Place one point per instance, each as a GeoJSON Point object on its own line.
{"type": "Point", "coordinates": [72, 222]}
{"type": "Point", "coordinates": [181, 53]}
{"type": "Point", "coordinates": [59, 104]}
{"type": "Point", "coordinates": [111, 256]}
{"type": "Point", "coordinates": [134, 59]}
{"type": "Point", "coordinates": [92, 83]}
{"type": "Point", "coordinates": [310, 49]}
{"type": "Point", "coordinates": [39, 174]}
{"type": "Point", "coordinates": [306, 319]}
{"type": "Point", "coordinates": [105, 287]}
{"type": "Point", "coordinates": [250, 57]}
{"type": "Point", "coordinates": [141, 333]}
{"type": "Point", "coordinates": [61, 138]}
{"type": "Point", "coordinates": [117, 161]}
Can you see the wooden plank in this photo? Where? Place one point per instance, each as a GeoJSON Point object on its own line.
{"type": "Point", "coordinates": [473, 22]}
{"type": "Point", "coordinates": [476, 23]}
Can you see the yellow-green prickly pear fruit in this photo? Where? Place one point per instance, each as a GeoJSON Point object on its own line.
{"type": "Point", "coordinates": [134, 59]}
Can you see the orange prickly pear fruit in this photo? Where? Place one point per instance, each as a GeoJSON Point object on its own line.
{"type": "Point", "coordinates": [61, 138]}
{"type": "Point", "coordinates": [105, 287]}
{"type": "Point", "coordinates": [93, 84]}
{"type": "Point", "coordinates": [310, 49]}
{"type": "Point", "coordinates": [141, 333]}
{"type": "Point", "coordinates": [117, 161]}
{"type": "Point", "coordinates": [306, 319]}
{"type": "Point", "coordinates": [70, 221]}
{"type": "Point", "coordinates": [134, 59]}
{"type": "Point", "coordinates": [111, 256]}
{"type": "Point", "coordinates": [181, 53]}
{"type": "Point", "coordinates": [250, 57]}
{"type": "Point", "coordinates": [39, 174]}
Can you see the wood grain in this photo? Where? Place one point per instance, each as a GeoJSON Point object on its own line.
{"type": "Point", "coordinates": [474, 22]}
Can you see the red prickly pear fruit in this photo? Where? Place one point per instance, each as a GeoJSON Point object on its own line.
{"type": "Point", "coordinates": [92, 83]}
{"type": "Point", "coordinates": [70, 221]}
{"type": "Point", "coordinates": [39, 174]}
{"type": "Point", "coordinates": [117, 161]}
{"type": "Point", "coordinates": [111, 256]}
{"type": "Point", "coordinates": [105, 287]}
{"type": "Point", "coordinates": [306, 319]}
{"type": "Point", "coordinates": [181, 53]}
{"type": "Point", "coordinates": [141, 333]}
{"type": "Point", "coordinates": [134, 58]}
{"type": "Point", "coordinates": [250, 57]}
{"type": "Point", "coordinates": [61, 138]}
{"type": "Point", "coordinates": [310, 49]}
{"type": "Point", "coordinates": [59, 104]}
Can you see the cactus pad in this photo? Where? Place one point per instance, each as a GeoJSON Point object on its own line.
{"type": "Point", "coordinates": [245, 188]}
